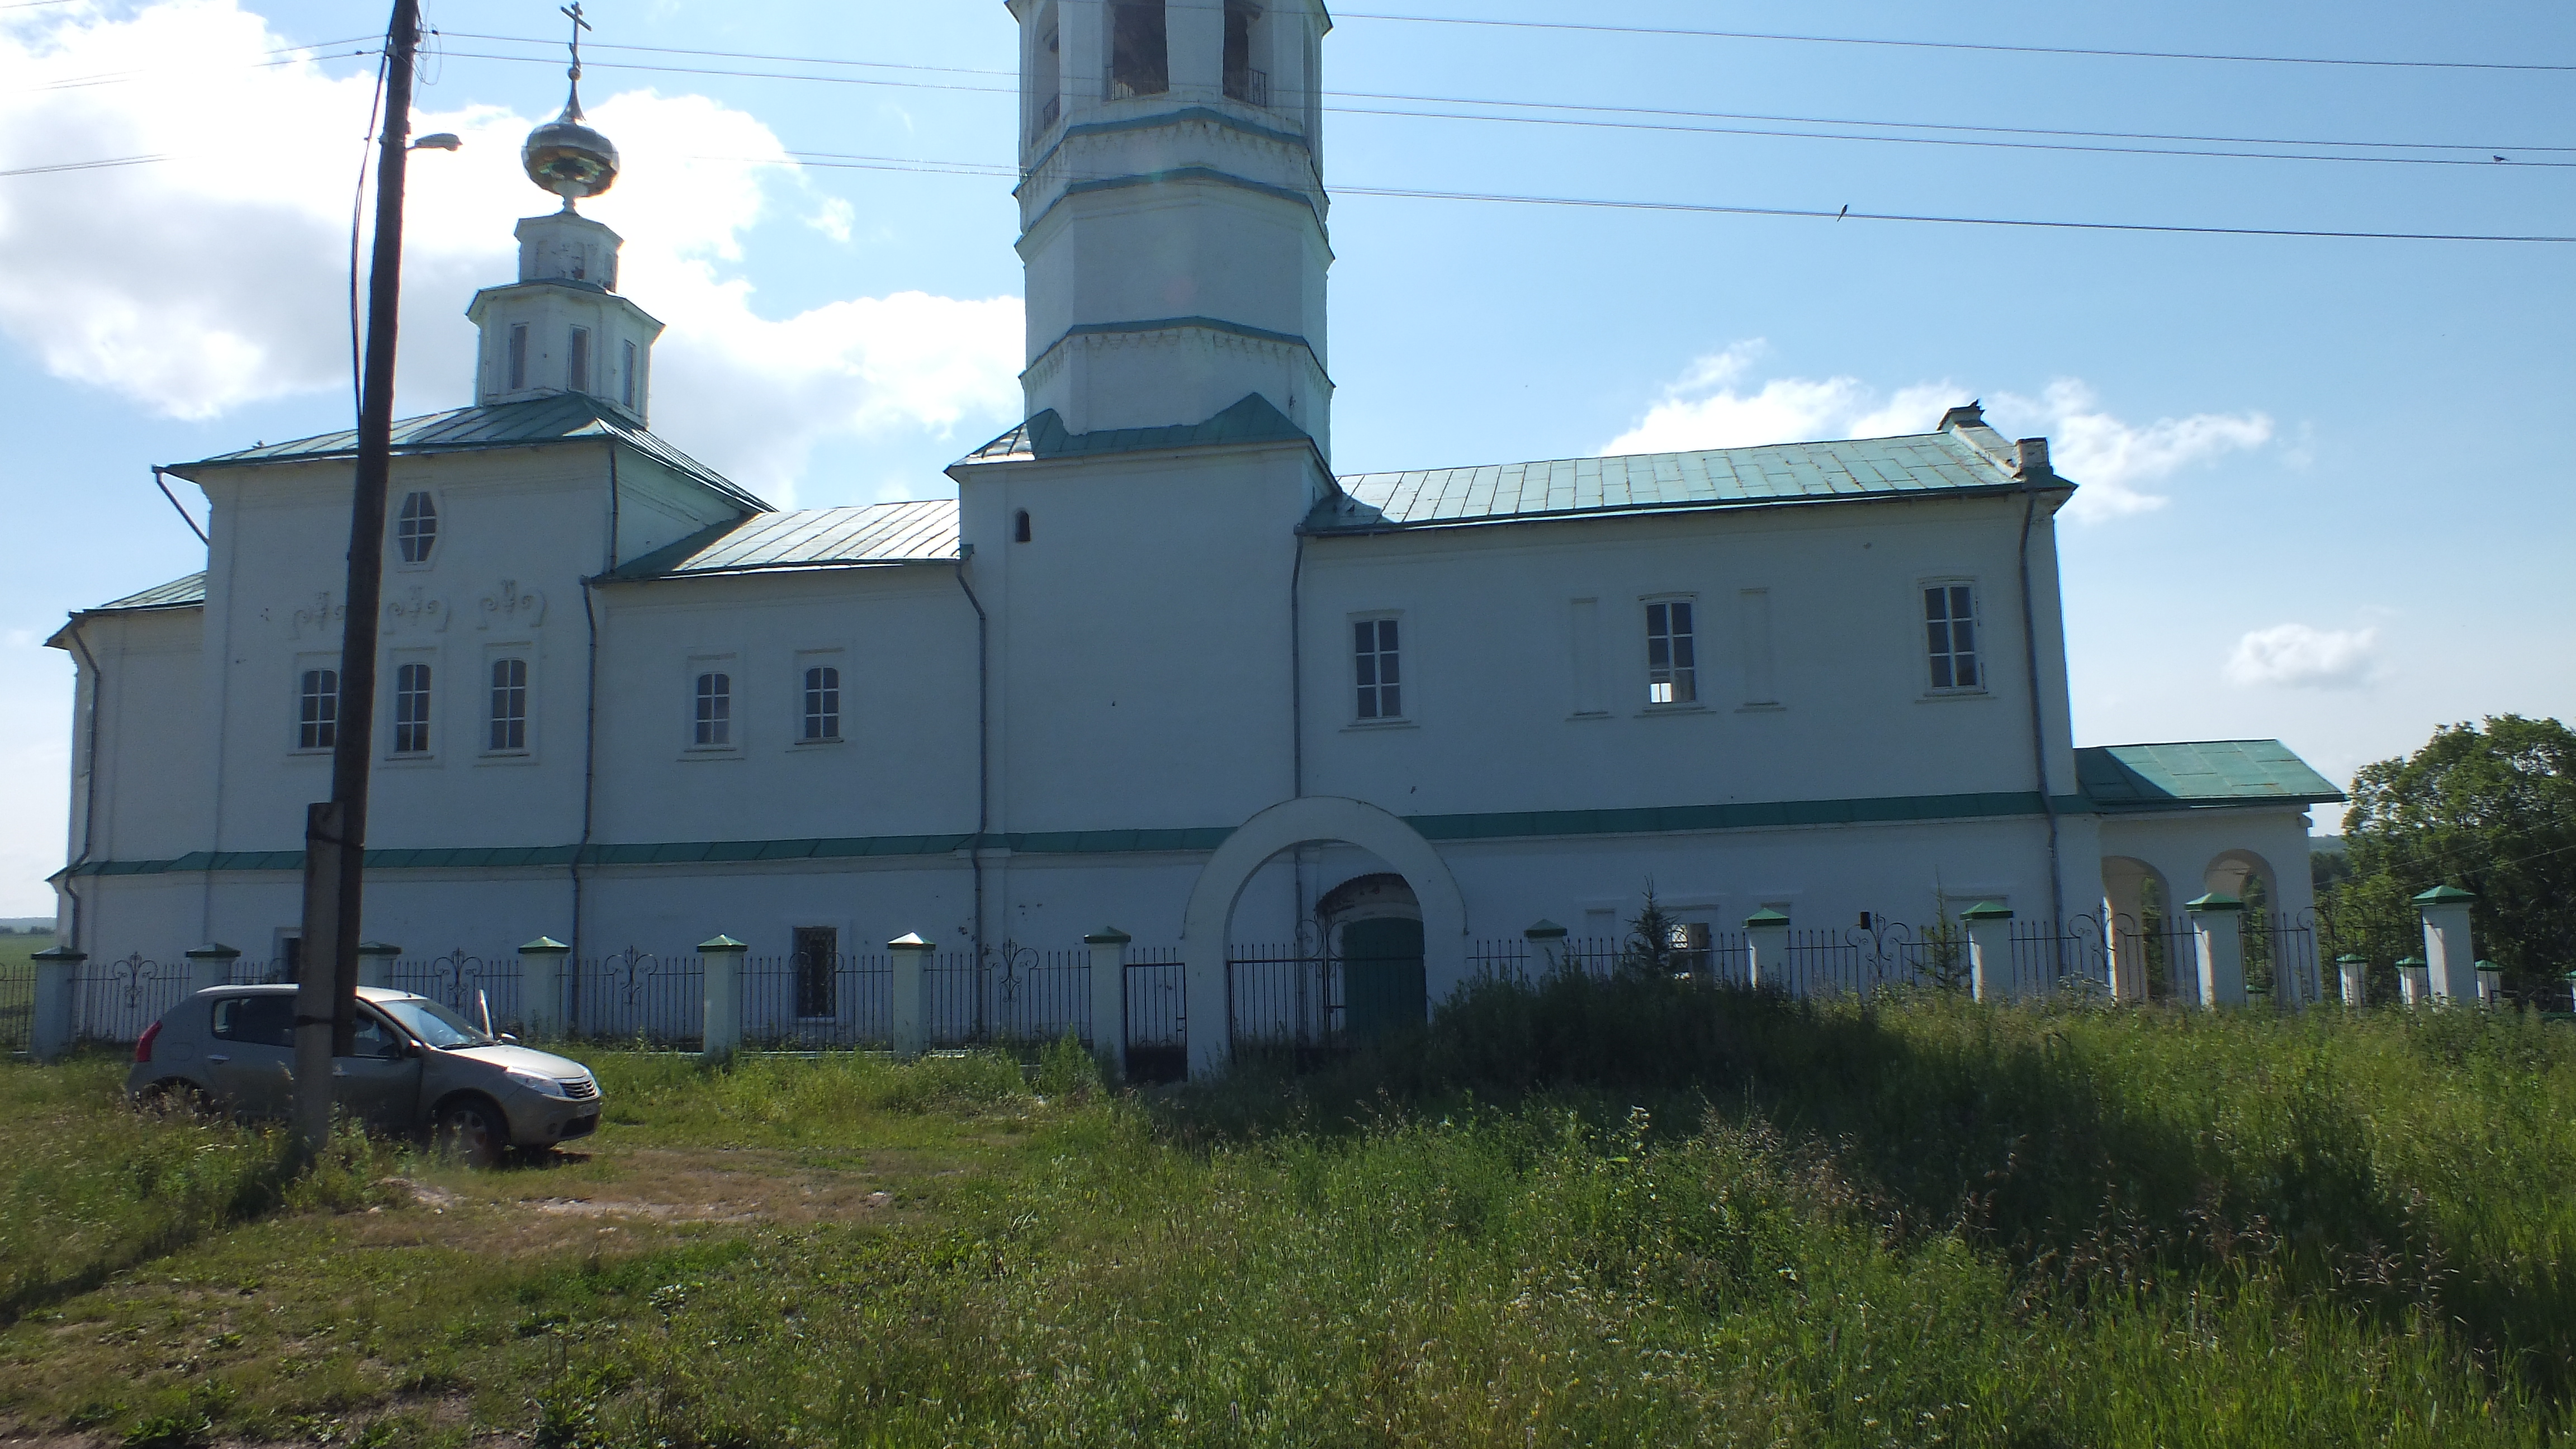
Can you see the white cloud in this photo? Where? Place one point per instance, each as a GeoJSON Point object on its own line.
{"type": "Point", "coordinates": [2300, 656]}
{"type": "Point", "coordinates": [1714, 405]}
{"type": "Point", "coordinates": [2109, 458]}
{"type": "Point", "coordinates": [218, 277]}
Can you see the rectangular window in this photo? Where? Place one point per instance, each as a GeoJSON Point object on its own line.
{"type": "Point", "coordinates": [1244, 81]}
{"type": "Point", "coordinates": [317, 710]}
{"type": "Point", "coordinates": [411, 710]}
{"type": "Point", "coordinates": [577, 361]}
{"type": "Point", "coordinates": [1950, 627]}
{"type": "Point", "coordinates": [1140, 62]}
{"type": "Point", "coordinates": [822, 703]}
{"type": "Point", "coordinates": [1377, 668]}
{"type": "Point", "coordinates": [509, 704]}
{"type": "Point", "coordinates": [518, 355]}
{"type": "Point", "coordinates": [715, 711]}
{"type": "Point", "coordinates": [626, 380]}
{"type": "Point", "coordinates": [818, 971]}
{"type": "Point", "coordinates": [1690, 943]}
{"type": "Point", "coordinates": [416, 529]}
{"type": "Point", "coordinates": [1672, 661]}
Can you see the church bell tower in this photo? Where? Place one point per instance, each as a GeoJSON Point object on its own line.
{"type": "Point", "coordinates": [1172, 210]}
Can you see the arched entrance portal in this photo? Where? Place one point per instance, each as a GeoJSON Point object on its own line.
{"type": "Point", "coordinates": [1312, 820]}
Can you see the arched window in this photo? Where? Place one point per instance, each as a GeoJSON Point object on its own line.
{"type": "Point", "coordinates": [416, 529]}
{"type": "Point", "coordinates": [577, 364]}
{"type": "Point", "coordinates": [715, 711]}
{"type": "Point", "coordinates": [1020, 526]}
{"type": "Point", "coordinates": [411, 710]}
{"type": "Point", "coordinates": [1247, 77]}
{"type": "Point", "coordinates": [509, 705]}
{"type": "Point", "coordinates": [1140, 58]}
{"type": "Point", "coordinates": [822, 703]}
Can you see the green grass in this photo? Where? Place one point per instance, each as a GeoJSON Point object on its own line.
{"type": "Point", "coordinates": [1601, 1213]}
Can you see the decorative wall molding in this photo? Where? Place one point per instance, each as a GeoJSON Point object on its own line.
{"type": "Point", "coordinates": [319, 618]}
{"type": "Point", "coordinates": [416, 612]}
{"type": "Point", "coordinates": [509, 604]}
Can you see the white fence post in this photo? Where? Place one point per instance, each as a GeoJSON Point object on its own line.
{"type": "Point", "coordinates": [2490, 984]}
{"type": "Point", "coordinates": [210, 965]}
{"type": "Point", "coordinates": [541, 995]}
{"type": "Point", "coordinates": [1989, 949]}
{"type": "Point", "coordinates": [2448, 952]}
{"type": "Point", "coordinates": [2414, 982]}
{"type": "Point", "coordinates": [1109, 1000]}
{"type": "Point", "coordinates": [722, 1033]}
{"type": "Point", "coordinates": [2354, 971]}
{"type": "Point", "coordinates": [1766, 939]}
{"type": "Point", "coordinates": [376, 963]}
{"type": "Point", "coordinates": [910, 1023]}
{"type": "Point", "coordinates": [1546, 947]}
{"type": "Point", "coordinates": [50, 1034]}
{"type": "Point", "coordinates": [2218, 929]}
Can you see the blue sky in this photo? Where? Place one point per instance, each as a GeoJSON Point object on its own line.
{"type": "Point", "coordinates": [2330, 497]}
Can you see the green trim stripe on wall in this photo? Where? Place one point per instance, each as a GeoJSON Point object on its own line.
{"type": "Point", "coordinates": [1508, 825]}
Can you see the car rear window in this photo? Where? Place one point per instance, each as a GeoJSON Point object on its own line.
{"type": "Point", "coordinates": [256, 1020]}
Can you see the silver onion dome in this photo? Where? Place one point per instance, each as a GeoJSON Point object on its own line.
{"type": "Point", "coordinates": [570, 159]}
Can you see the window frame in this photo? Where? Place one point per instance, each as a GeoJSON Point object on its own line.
{"type": "Point", "coordinates": [1110, 81]}
{"type": "Point", "coordinates": [411, 708]}
{"type": "Point", "coordinates": [514, 358]}
{"type": "Point", "coordinates": [578, 362]}
{"type": "Point", "coordinates": [491, 687]}
{"type": "Point", "coordinates": [1368, 683]}
{"type": "Point", "coordinates": [436, 516]}
{"type": "Point", "coordinates": [807, 667]}
{"type": "Point", "coordinates": [316, 736]}
{"type": "Point", "coordinates": [723, 668]}
{"type": "Point", "coordinates": [630, 364]}
{"type": "Point", "coordinates": [1684, 674]}
{"type": "Point", "coordinates": [1935, 661]}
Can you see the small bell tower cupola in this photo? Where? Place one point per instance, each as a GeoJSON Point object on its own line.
{"type": "Point", "coordinates": [1172, 210]}
{"type": "Point", "coordinates": [562, 327]}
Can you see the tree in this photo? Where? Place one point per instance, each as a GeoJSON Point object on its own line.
{"type": "Point", "coordinates": [2489, 809]}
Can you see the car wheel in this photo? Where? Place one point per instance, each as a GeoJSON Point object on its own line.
{"type": "Point", "coordinates": [177, 1097]}
{"type": "Point", "coordinates": [472, 1131]}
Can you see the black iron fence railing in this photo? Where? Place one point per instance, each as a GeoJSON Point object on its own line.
{"type": "Point", "coordinates": [1279, 997]}
{"type": "Point", "coordinates": [17, 1006]}
{"type": "Point", "coordinates": [811, 1002]}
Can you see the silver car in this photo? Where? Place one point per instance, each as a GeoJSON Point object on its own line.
{"type": "Point", "coordinates": [417, 1066]}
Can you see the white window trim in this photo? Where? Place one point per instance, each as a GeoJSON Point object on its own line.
{"type": "Point", "coordinates": [305, 663]}
{"type": "Point", "coordinates": [1698, 702]}
{"type": "Point", "coordinates": [389, 684]}
{"type": "Point", "coordinates": [1405, 683]}
{"type": "Point", "coordinates": [493, 654]}
{"type": "Point", "coordinates": [393, 531]}
{"type": "Point", "coordinates": [817, 659]}
{"type": "Point", "coordinates": [736, 720]}
{"type": "Point", "coordinates": [1983, 688]}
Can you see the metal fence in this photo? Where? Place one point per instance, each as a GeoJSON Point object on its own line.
{"type": "Point", "coordinates": [635, 995]}
{"type": "Point", "coordinates": [463, 982]}
{"type": "Point", "coordinates": [113, 1001]}
{"type": "Point", "coordinates": [1279, 996]}
{"type": "Point", "coordinates": [809, 1001]}
{"type": "Point", "coordinates": [17, 1006]}
{"type": "Point", "coordinates": [1040, 996]}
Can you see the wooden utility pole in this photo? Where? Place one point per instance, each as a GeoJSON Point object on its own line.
{"type": "Point", "coordinates": [335, 832]}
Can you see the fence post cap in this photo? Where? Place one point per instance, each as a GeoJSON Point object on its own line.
{"type": "Point", "coordinates": [370, 948]}
{"type": "Point", "coordinates": [544, 946]}
{"type": "Point", "coordinates": [2214, 901]}
{"type": "Point", "coordinates": [1765, 917]}
{"type": "Point", "coordinates": [1105, 936]}
{"type": "Point", "coordinates": [909, 941]}
{"type": "Point", "coordinates": [60, 953]}
{"type": "Point", "coordinates": [217, 951]}
{"type": "Point", "coordinates": [1545, 930]}
{"type": "Point", "coordinates": [1987, 911]}
{"type": "Point", "coordinates": [722, 942]}
{"type": "Point", "coordinates": [2352, 960]}
{"type": "Point", "coordinates": [2445, 895]}
{"type": "Point", "coordinates": [2489, 966]}
{"type": "Point", "coordinates": [2413, 963]}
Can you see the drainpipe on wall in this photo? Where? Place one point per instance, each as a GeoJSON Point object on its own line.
{"type": "Point", "coordinates": [2031, 460]}
{"type": "Point", "coordinates": [89, 787]}
{"type": "Point", "coordinates": [983, 745]}
{"type": "Point", "coordinates": [1304, 883]}
{"type": "Point", "coordinates": [589, 748]}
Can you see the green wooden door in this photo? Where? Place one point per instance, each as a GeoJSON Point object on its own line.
{"type": "Point", "coordinates": [1382, 985]}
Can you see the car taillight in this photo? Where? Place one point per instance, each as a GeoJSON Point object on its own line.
{"type": "Point", "coordinates": [143, 1043]}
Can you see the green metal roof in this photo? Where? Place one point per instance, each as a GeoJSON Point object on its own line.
{"type": "Point", "coordinates": [2199, 773]}
{"type": "Point", "coordinates": [808, 538]}
{"type": "Point", "coordinates": [1920, 465]}
{"type": "Point", "coordinates": [565, 417]}
{"type": "Point", "coordinates": [1253, 420]}
{"type": "Point", "coordinates": [187, 593]}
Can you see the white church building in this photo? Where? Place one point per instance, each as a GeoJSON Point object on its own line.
{"type": "Point", "coordinates": [1157, 665]}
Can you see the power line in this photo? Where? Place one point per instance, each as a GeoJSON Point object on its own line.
{"type": "Point", "coordinates": [2202, 154]}
{"type": "Point", "coordinates": [2488, 65]}
{"type": "Point", "coordinates": [834, 161]}
{"type": "Point", "coordinates": [84, 165]}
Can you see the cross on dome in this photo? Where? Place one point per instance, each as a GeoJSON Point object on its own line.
{"type": "Point", "coordinates": [565, 156]}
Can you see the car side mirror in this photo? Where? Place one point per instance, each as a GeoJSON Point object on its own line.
{"type": "Point", "coordinates": [509, 1039]}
